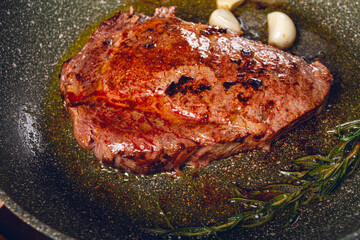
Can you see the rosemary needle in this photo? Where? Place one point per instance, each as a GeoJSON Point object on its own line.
{"type": "Point", "coordinates": [318, 176]}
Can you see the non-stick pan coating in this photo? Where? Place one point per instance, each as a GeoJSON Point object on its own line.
{"type": "Point", "coordinates": [39, 187]}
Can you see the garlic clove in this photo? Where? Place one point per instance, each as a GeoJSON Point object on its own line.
{"type": "Point", "coordinates": [228, 4]}
{"type": "Point", "coordinates": [282, 31]}
{"type": "Point", "coordinates": [225, 19]}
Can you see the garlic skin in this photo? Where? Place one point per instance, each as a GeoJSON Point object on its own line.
{"type": "Point", "coordinates": [228, 4]}
{"type": "Point", "coordinates": [225, 19]}
{"type": "Point", "coordinates": [282, 31]}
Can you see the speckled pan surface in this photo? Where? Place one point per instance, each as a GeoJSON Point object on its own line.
{"type": "Point", "coordinates": [64, 200]}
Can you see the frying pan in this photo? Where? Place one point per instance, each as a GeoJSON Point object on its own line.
{"type": "Point", "coordinates": [59, 189]}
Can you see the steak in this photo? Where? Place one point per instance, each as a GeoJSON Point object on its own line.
{"type": "Point", "coordinates": [149, 94]}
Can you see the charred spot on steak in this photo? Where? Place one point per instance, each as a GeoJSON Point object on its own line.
{"type": "Point", "coordinates": [149, 94]}
{"type": "Point", "coordinates": [150, 45]}
{"type": "Point", "coordinates": [240, 75]}
{"type": "Point", "coordinates": [246, 52]}
{"type": "Point", "coordinates": [228, 85]}
{"type": "Point", "coordinates": [222, 30]}
{"type": "Point", "coordinates": [206, 32]}
{"type": "Point", "coordinates": [242, 98]}
{"type": "Point", "coordinates": [255, 83]}
{"type": "Point", "coordinates": [185, 79]}
{"type": "Point", "coordinates": [259, 136]}
{"type": "Point", "coordinates": [202, 88]}
{"type": "Point", "coordinates": [175, 88]}
{"type": "Point", "coordinates": [237, 61]}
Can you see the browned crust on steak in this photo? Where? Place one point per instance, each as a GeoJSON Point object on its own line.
{"type": "Point", "coordinates": [150, 94]}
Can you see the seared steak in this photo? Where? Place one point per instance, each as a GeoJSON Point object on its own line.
{"type": "Point", "coordinates": [149, 94]}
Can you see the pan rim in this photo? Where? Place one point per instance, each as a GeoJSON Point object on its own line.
{"type": "Point", "coordinates": [30, 219]}
{"type": "Point", "coordinates": [55, 234]}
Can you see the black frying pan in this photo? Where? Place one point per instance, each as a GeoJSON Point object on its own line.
{"type": "Point", "coordinates": [59, 189]}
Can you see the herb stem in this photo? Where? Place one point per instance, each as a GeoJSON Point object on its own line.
{"type": "Point", "coordinates": [318, 176]}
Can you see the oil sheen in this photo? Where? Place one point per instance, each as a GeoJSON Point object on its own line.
{"type": "Point", "coordinates": [203, 196]}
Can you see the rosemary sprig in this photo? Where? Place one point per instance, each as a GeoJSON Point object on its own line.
{"type": "Point", "coordinates": [315, 176]}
